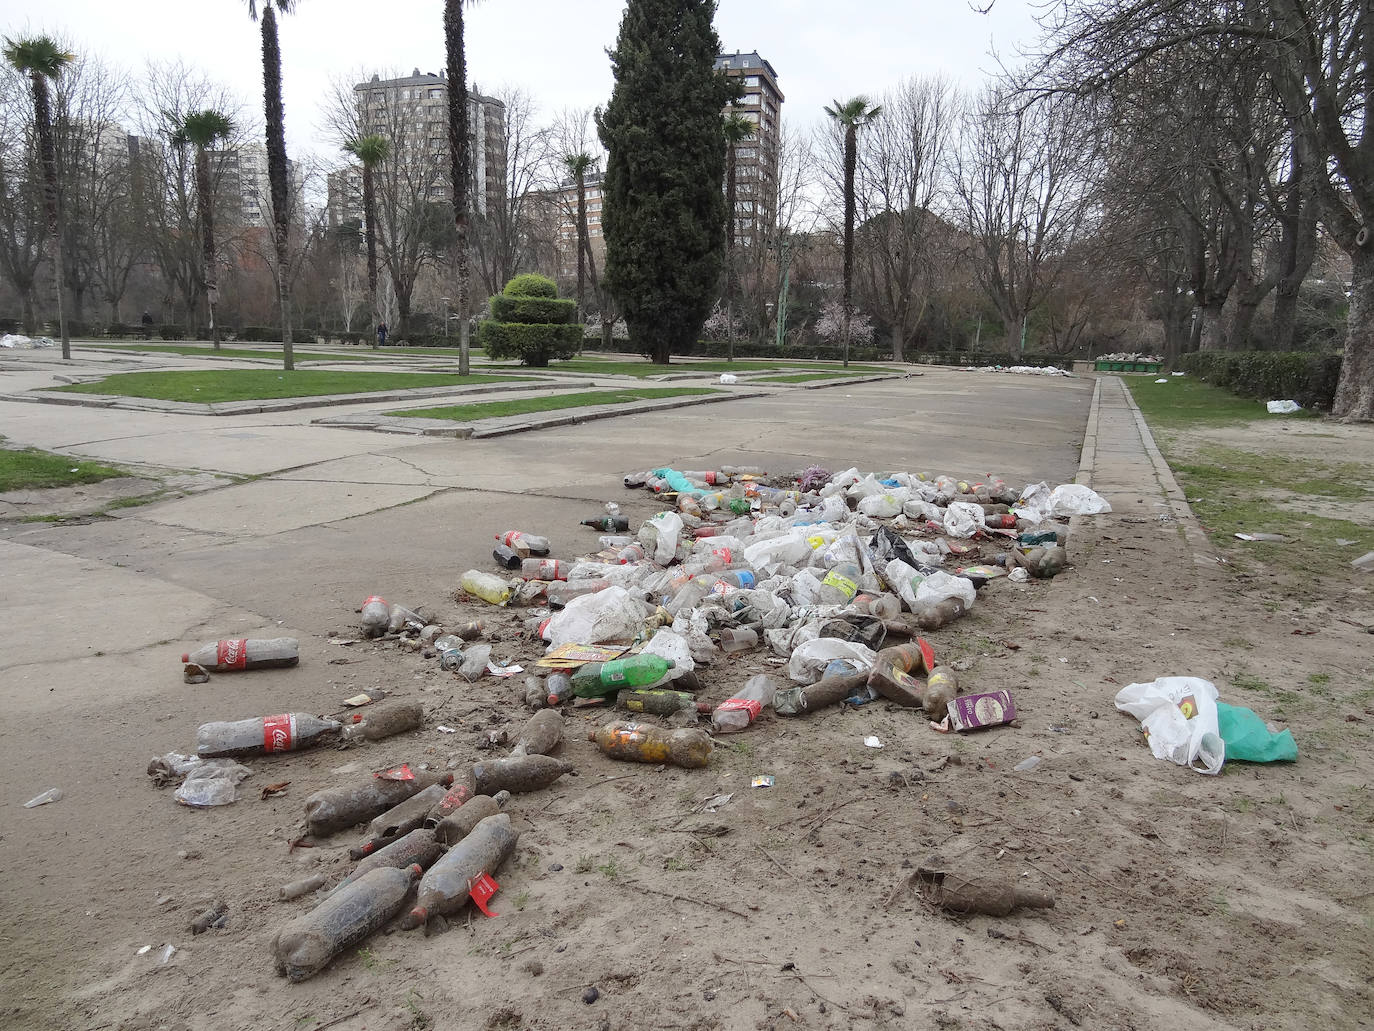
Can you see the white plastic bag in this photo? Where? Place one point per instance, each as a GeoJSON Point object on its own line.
{"type": "Point", "coordinates": [608, 615]}
{"type": "Point", "coordinates": [938, 586]}
{"type": "Point", "coordinates": [917, 508]}
{"type": "Point", "coordinates": [728, 378]}
{"type": "Point", "coordinates": [809, 660]}
{"type": "Point", "coordinates": [664, 531]}
{"type": "Point", "coordinates": [883, 506]}
{"type": "Point", "coordinates": [213, 782]}
{"type": "Point", "coordinates": [1071, 499]}
{"type": "Point", "coordinates": [790, 549]}
{"type": "Point", "coordinates": [670, 645]}
{"type": "Point", "coordinates": [1179, 718]}
{"type": "Point", "coordinates": [963, 519]}
{"type": "Point", "coordinates": [1283, 407]}
{"type": "Point", "coordinates": [1034, 503]}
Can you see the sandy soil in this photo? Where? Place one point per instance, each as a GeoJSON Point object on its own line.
{"type": "Point", "coordinates": [1244, 901]}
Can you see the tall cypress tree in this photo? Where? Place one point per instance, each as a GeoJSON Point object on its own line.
{"type": "Point", "coordinates": [664, 213]}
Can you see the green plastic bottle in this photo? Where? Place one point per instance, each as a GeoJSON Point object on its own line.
{"type": "Point", "coordinates": [602, 679]}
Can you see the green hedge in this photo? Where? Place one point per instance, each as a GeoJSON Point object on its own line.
{"type": "Point", "coordinates": [1302, 376]}
{"type": "Point", "coordinates": [534, 344]}
{"type": "Point", "coordinates": [259, 334]}
{"type": "Point", "coordinates": [531, 284]}
{"type": "Point", "coordinates": [507, 308]}
{"type": "Point", "coordinates": [172, 331]}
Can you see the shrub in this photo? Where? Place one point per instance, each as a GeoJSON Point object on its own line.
{"type": "Point", "coordinates": [1306, 377]}
{"type": "Point", "coordinates": [259, 335]}
{"type": "Point", "coordinates": [120, 329]}
{"type": "Point", "coordinates": [172, 331]}
{"type": "Point", "coordinates": [529, 323]}
{"type": "Point", "coordinates": [531, 284]}
{"type": "Point", "coordinates": [10, 326]}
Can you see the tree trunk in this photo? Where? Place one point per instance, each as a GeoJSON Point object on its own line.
{"type": "Point", "coordinates": [731, 192]}
{"type": "Point", "coordinates": [370, 238]}
{"type": "Point", "coordinates": [1355, 391]}
{"type": "Point", "coordinates": [850, 147]}
{"type": "Point", "coordinates": [460, 168]}
{"type": "Point", "coordinates": [277, 173]}
{"type": "Point", "coordinates": [1285, 316]}
{"type": "Point", "coordinates": [581, 243]}
{"type": "Point", "coordinates": [30, 314]}
{"type": "Point", "coordinates": [205, 203]}
{"type": "Point", "coordinates": [47, 151]}
{"type": "Point", "coordinates": [1211, 332]}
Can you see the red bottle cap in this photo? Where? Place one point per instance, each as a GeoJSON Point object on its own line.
{"type": "Point", "coordinates": [185, 656]}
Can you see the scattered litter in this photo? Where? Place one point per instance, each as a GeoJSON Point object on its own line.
{"type": "Point", "coordinates": [716, 803]}
{"type": "Point", "coordinates": [1022, 370]}
{"type": "Point", "coordinates": [497, 670]}
{"type": "Point", "coordinates": [372, 694]}
{"type": "Point", "coordinates": [764, 780]}
{"type": "Point", "coordinates": [1283, 407]}
{"type": "Point", "coordinates": [1276, 538]}
{"type": "Point", "coordinates": [1027, 764]}
{"type": "Point", "coordinates": [194, 673]}
{"type": "Point", "coordinates": [1365, 563]}
{"type": "Point", "coordinates": [571, 656]}
{"type": "Point", "coordinates": [19, 342]}
{"type": "Point", "coordinates": [172, 768]}
{"type": "Point", "coordinates": [728, 378]}
{"type": "Point", "coordinates": [1133, 356]}
{"type": "Point", "coordinates": [214, 782]}
{"type": "Point", "coordinates": [976, 711]}
{"type": "Point", "coordinates": [960, 894]}
{"type": "Point", "coordinates": [51, 795]}
{"type": "Point", "coordinates": [275, 790]}
{"type": "Point", "coordinates": [445, 730]}
{"type": "Point", "coordinates": [872, 742]}
{"type": "Point", "coordinates": [1162, 379]}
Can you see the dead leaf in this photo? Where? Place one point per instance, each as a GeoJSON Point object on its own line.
{"type": "Point", "coordinates": [272, 790]}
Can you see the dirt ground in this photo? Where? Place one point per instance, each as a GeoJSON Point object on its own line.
{"type": "Point", "coordinates": [1244, 901]}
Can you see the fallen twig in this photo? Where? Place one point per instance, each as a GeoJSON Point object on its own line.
{"type": "Point", "coordinates": [340, 1020]}
{"type": "Point", "coordinates": [686, 898]}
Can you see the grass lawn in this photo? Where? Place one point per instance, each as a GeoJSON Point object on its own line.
{"type": "Point", "coordinates": [227, 352]}
{"type": "Point", "coordinates": [603, 367]}
{"type": "Point", "coordinates": [550, 403]}
{"type": "Point", "coordinates": [805, 377]}
{"type": "Point", "coordinates": [214, 385]}
{"type": "Point", "coordinates": [1255, 489]}
{"type": "Point", "coordinates": [26, 469]}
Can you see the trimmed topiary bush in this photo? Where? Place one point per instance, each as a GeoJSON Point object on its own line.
{"type": "Point", "coordinates": [172, 331]}
{"type": "Point", "coordinates": [1306, 377]}
{"type": "Point", "coordinates": [530, 323]}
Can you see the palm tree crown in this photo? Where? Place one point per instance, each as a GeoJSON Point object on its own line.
{"type": "Point", "coordinates": [202, 129]}
{"type": "Point", "coordinates": [37, 55]}
{"type": "Point", "coordinates": [737, 129]}
{"type": "Point", "coordinates": [282, 5]}
{"type": "Point", "coordinates": [370, 150]}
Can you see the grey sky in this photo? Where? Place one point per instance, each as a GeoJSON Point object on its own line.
{"type": "Point", "coordinates": [553, 49]}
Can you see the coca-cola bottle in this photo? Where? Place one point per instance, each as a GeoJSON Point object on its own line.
{"type": "Point", "coordinates": [245, 653]}
{"type": "Point", "coordinates": [287, 732]}
{"type": "Point", "coordinates": [525, 544]}
{"type": "Point", "coordinates": [741, 709]}
{"type": "Point", "coordinates": [375, 615]}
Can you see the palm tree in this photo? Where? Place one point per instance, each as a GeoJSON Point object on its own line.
{"type": "Point", "coordinates": [202, 130]}
{"type": "Point", "coordinates": [460, 158]}
{"type": "Point", "coordinates": [852, 116]}
{"type": "Point", "coordinates": [371, 151]}
{"type": "Point", "coordinates": [276, 158]}
{"type": "Point", "coordinates": [577, 165]}
{"type": "Point", "coordinates": [737, 130]}
{"type": "Point", "coordinates": [41, 58]}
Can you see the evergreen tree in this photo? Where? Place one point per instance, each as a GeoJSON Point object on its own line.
{"type": "Point", "coordinates": [664, 212]}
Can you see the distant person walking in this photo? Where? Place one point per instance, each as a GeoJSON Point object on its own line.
{"type": "Point", "coordinates": [147, 326]}
{"type": "Point", "coordinates": [381, 335]}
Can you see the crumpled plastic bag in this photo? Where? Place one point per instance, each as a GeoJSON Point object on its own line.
{"type": "Point", "coordinates": [808, 661]}
{"type": "Point", "coordinates": [213, 782]}
{"type": "Point", "coordinates": [1178, 716]}
{"type": "Point", "coordinates": [884, 506]}
{"type": "Point", "coordinates": [963, 519]}
{"type": "Point", "coordinates": [172, 768]}
{"type": "Point", "coordinates": [1071, 499]}
{"type": "Point", "coordinates": [669, 644]}
{"type": "Point", "coordinates": [728, 378]}
{"type": "Point", "coordinates": [1249, 740]}
{"type": "Point", "coordinates": [660, 535]}
{"type": "Point", "coordinates": [1034, 503]}
{"type": "Point", "coordinates": [609, 615]}
{"type": "Point", "coordinates": [938, 586]}
{"type": "Point", "coordinates": [1283, 407]}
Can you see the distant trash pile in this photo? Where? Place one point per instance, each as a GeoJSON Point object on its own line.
{"type": "Point", "coordinates": [1131, 356]}
{"type": "Point", "coordinates": [19, 342]}
{"type": "Point", "coordinates": [1023, 370]}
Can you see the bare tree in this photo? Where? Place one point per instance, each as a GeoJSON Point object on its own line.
{"type": "Point", "coordinates": [1020, 181]}
{"type": "Point", "coordinates": [503, 235]}
{"type": "Point", "coordinates": [24, 230]}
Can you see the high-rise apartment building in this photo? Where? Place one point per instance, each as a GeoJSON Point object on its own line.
{"type": "Point", "coordinates": [245, 188]}
{"type": "Point", "coordinates": [345, 193]}
{"type": "Point", "coordinates": [412, 112]}
{"type": "Point", "coordinates": [756, 159]}
{"type": "Point", "coordinates": [564, 216]}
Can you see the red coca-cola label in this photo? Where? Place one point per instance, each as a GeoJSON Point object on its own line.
{"type": "Point", "coordinates": [279, 733]}
{"type": "Point", "coordinates": [748, 705]}
{"type": "Point", "coordinates": [232, 654]}
{"type": "Point", "coordinates": [455, 799]}
{"type": "Point", "coordinates": [373, 598]}
{"type": "Point", "coordinates": [548, 569]}
{"type": "Point", "coordinates": [510, 537]}
{"type": "Point", "coordinates": [712, 479]}
{"type": "Point", "coordinates": [402, 772]}
{"type": "Point", "coordinates": [726, 555]}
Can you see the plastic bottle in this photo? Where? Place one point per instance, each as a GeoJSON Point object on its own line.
{"type": "Point", "coordinates": [536, 693]}
{"type": "Point", "coordinates": [607, 523]}
{"type": "Point", "coordinates": [385, 721]}
{"type": "Point", "coordinates": [460, 793]}
{"type": "Point", "coordinates": [506, 558]}
{"type": "Point", "coordinates": [561, 592]}
{"type": "Point", "coordinates": [459, 824]}
{"type": "Point", "coordinates": [942, 686]}
{"type": "Point", "coordinates": [892, 672]}
{"type": "Point", "coordinates": [646, 743]}
{"type": "Point", "coordinates": [444, 889]}
{"type": "Point", "coordinates": [474, 663]}
{"type": "Point", "coordinates": [524, 544]}
{"type": "Point", "coordinates": [263, 734]}
{"type": "Point", "coordinates": [518, 774]}
{"type": "Point", "coordinates": [560, 688]}
{"type": "Point", "coordinates": [712, 561]}
{"type": "Point", "coordinates": [306, 945]}
{"type": "Point", "coordinates": [543, 569]}
{"type": "Point", "coordinates": [541, 734]}
{"type": "Point", "coordinates": [245, 653]}
{"type": "Point", "coordinates": [656, 701]}
{"type": "Point", "coordinates": [404, 817]}
{"type": "Point", "coordinates": [956, 893]}
{"type": "Point", "coordinates": [599, 679]}
{"type": "Point", "coordinates": [743, 707]}
{"type": "Point", "coordinates": [733, 578]}
{"type": "Point", "coordinates": [416, 848]}
{"type": "Point", "coordinates": [333, 809]}
{"type": "Point", "coordinates": [491, 589]}
{"type": "Point", "coordinates": [375, 615]}
{"type": "Point", "coordinates": [630, 553]}
{"type": "Point", "coordinates": [840, 585]}
{"type": "Point", "coordinates": [401, 618]}
{"type": "Point", "coordinates": [304, 886]}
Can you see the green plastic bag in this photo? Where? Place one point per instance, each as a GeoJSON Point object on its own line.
{"type": "Point", "coordinates": [1249, 740]}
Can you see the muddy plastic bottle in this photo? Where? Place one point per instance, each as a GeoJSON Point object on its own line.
{"type": "Point", "coordinates": [892, 672]}
{"type": "Point", "coordinates": [599, 679]}
{"type": "Point", "coordinates": [262, 735]}
{"type": "Point", "coordinates": [831, 689]}
{"type": "Point", "coordinates": [656, 701]}
{"type": "Point", "coordinates": [956, 893]}
{"type": "Point", "coordinates": [444, 889]}
{"type": "Point", "coordinates": [942, 613]}
{"type": "Point", "coordinates": [608, 523]}
{"type": "Point", "coordinates": [490, 589]}
{"type": "Point", "coordinates": [306, 944]}
{"type": "Point", "coordinates": [460, 793]}
{"type": "Point", "coordinates": [543, 569]}
{"type": "Point", "coordinates": [560, 688]}
{"type": "Point", "coordinates": [524, 544]}
{"type": "Point", "coordinates": [245, 653]}
{"type": "Point", "coordinates": [519, 773]}
{"type": "Point", "coordinates": [404, 817]}
{"type": "Point", "coordinates": [459, 824]}
{"type": "Point", "coordinates": [561, 592]}
{"type": "Point", "coordinates": [333, 809]}
{"type": "Point", "coordinates": [646, 743]}
{"type": "Point", "coordinates": [417, 848]}
{"type": "Point", "coordinates": [942, 686]}
{"type": "Point", "coordinates": [536, 693]}
{"type": "Point", "coordinates": [541, 734]}
{"type": "Point", "coordinates": [385, 721]}
{"type": "Point", "coordinates": [375, 615]}
{"type": "Point", "coordinates": [743, 707]}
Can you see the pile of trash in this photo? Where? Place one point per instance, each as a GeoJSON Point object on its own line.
{"type": "Point", "coordinates": [1132, 356]}
{"type": "Point", "coordinates": [19, 342]}
{"type": "Point", "coordinates": [1022, 370]}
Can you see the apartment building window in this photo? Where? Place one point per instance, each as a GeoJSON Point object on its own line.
{"type": "Point", "coordinates": [751, 80]}
{"type": "Point", "coordinates": [436, 94]}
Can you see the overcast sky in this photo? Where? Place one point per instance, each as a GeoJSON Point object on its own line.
{"type": "Point", "coordinates": [554, 49]}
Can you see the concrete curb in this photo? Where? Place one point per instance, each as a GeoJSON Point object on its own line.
{"type": "Point", "coordinates": [1088, 456]}
{"type": "Point", "coordinates": [841, 382]}
{"type": "Point", "coordinates": [286, 404]}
